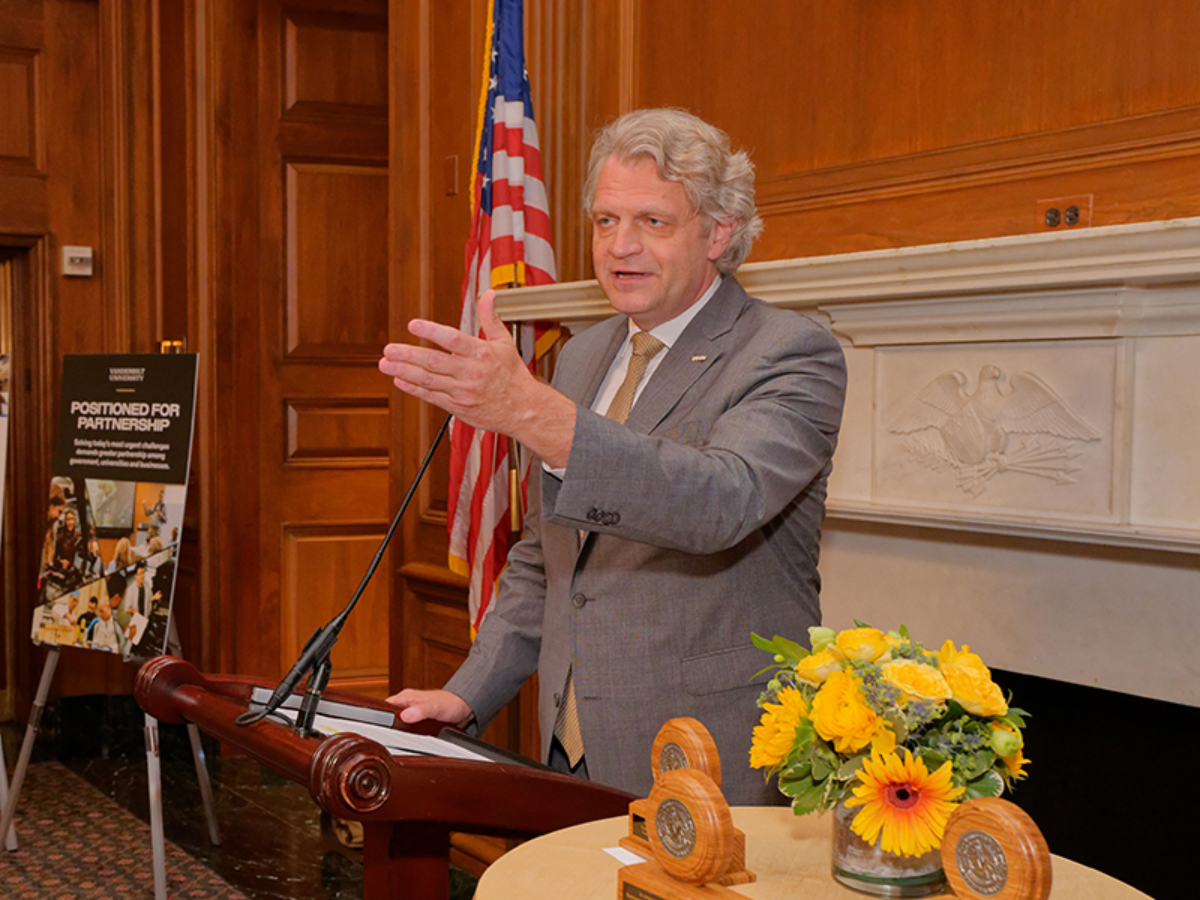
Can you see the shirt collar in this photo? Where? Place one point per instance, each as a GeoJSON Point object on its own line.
{"type": "Point", "coordinates": [668, 332]}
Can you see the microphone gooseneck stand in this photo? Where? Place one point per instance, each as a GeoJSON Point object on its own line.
{"type": "Point", "coordinates": [314, 657]}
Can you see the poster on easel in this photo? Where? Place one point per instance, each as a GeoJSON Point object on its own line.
{"type": "Point", "coordinates": [115, 508]}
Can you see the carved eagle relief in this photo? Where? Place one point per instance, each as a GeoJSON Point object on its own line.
{"type": "Point", "coordinates": [1025, 427]}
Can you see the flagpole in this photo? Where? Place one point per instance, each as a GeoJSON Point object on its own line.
{"type": "Point", "coordinates": [516, 511]}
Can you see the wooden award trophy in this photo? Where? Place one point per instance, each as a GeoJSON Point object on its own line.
{"type": "Point", "coordinates": [681, 743]}
{"type": "Point", "coordinates": [992, 849]}
{"type": "Point", "coordinates": [684, 827]}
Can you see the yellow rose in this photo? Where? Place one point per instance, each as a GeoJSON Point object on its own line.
{"type": "Point", "coordinates": [964, 657]}
{"type": "Point", "coordinates": [815, 667]}
{"type": "Point", "coordinates": [840, 714]}
{"type": "Point", "coordinates": [915, 680]}
{"type": "Point", "coordinates": [867, 644]}
{"type": "Point", "coordinates": [775, 737]}
{"type": "Point", "coordinates": [974, 690]}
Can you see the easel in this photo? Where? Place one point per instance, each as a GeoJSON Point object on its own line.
{"type": "Point", "coordinates": [31, 730]}
{"type": "Point", "coordinates": [154, 785]}
{"type": "Point", "coordinates": [153, 772]}
{"type": "Point", "coordinates": [10, 838]}
{"type": "Point", "coordinates": [158, 846]}
{"type": "Point", "coordinates": [153, 760]}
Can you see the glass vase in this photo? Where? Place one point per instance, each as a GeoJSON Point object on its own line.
{"type": "Point", "coordinates": [872, 870]}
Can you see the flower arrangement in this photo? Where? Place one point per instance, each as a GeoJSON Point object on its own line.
{"type": "Point", "coordinates": [876, 721]}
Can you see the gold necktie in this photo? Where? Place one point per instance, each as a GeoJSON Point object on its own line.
{"type": "Point", "coordinates": [645, 346]}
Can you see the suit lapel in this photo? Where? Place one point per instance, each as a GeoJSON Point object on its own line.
{"type": "Point", "coordinates": [703, 342]}
{"type": "Point", "coordinates": [582, 382]}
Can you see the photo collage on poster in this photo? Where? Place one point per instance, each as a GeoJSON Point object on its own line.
{"type": "Point", "coordinates": [108, 558]}
{"type": "Point", "coordinates": [108, 565]}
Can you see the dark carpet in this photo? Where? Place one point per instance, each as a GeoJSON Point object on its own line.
{"type": "Point", "coordinates": [271, 847]}
{"type": "Point", "coordinates": [76, 843]}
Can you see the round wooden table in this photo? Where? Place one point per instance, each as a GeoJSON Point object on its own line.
{"type": "Point", "coordinates": [790, 855]}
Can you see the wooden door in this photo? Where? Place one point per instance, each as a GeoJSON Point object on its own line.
{"type": "Point", "coordinates": [300, 433]}
{"type": "Point", "coordinates": [323, 433]}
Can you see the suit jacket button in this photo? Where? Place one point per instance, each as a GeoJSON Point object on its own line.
{"type": "Point", "coordinates": [613, 518]}
{"type": "Point", "coordinates": [593, 515]}
{"type": "Point", "coordinates": [557, 700]}
{"type": "Point", "coordinates": [579, 601]}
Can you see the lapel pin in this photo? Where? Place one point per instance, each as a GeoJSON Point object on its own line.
{"type": "Point", "coordinates": [699, 358]}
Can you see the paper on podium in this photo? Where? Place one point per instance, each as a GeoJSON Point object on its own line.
{"type": "Point", "coordinates": [400, 743]}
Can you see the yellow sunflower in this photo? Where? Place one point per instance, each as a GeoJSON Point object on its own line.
{"type": "Point", "coordinates": [903, 801]}
{"type": "Point", "coordinates": [775, 737]}
{"type": "Point", "coordinates": [1015, 761]}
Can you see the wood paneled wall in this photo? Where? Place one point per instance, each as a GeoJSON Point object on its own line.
{"type": "Point", "coordinates": [889, 124]}
{"type": "Point", "coordinates": [76, 126]}
{"type": "Point", "coordinates": [228, 163]}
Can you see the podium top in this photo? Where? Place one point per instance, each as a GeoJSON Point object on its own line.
{"type": "Point", "coordinates": [354, 777]}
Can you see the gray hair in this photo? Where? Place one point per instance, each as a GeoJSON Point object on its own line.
{"type": "Point", "coordinates": [718, 182]}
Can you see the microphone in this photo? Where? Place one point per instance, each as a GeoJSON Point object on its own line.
{"type": "Point", "coordinates": [315, 655]}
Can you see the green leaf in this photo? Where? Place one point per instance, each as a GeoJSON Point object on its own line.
{"type": "Point", "coordinates": [979, 727]}
{"type": "Point", "coordinates": [805, 734]}
{"type": "Point", "coordinates": [791, 652]}
{"type": "Point", "coordinates": [933, 760]}
{"type": "Point", "coordinates": [820, 768]}
{"type": "Point", "coordinates": [805, 791]}
{"type": "Point", "coordinates": [1014, 717]}
{"type": "Point", "coordinates": [762, 643]}
{"type": "Point", "coordinates": [975, 765]}
{"type": "Point", "coordinates": [849, 769]}
{"type": "Point", "coordinates": [837, 790]}
{"type": "Point", "coordinates": [990, 784]}
{"type": "Point", "coordinates": [824, 751]}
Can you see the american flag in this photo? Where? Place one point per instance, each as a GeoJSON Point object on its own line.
{"type": "Point", "coordinates": [509, 246]}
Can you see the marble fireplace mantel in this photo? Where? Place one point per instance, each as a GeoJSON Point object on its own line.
{"type": "Point", "coordinates": [1042, 385]}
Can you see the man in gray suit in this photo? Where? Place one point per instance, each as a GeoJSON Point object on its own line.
{"type": "Point", "coordinates": [683, 473]}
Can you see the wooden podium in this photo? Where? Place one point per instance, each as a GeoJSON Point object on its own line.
{"type": "Point", "coordinates": [407, 805]}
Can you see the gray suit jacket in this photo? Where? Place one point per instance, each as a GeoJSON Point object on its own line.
{"type": "Point", "coordinates": [703, 514]}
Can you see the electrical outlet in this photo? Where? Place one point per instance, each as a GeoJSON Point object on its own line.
{"type": "Point", "coordinates": [1064, 213]}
